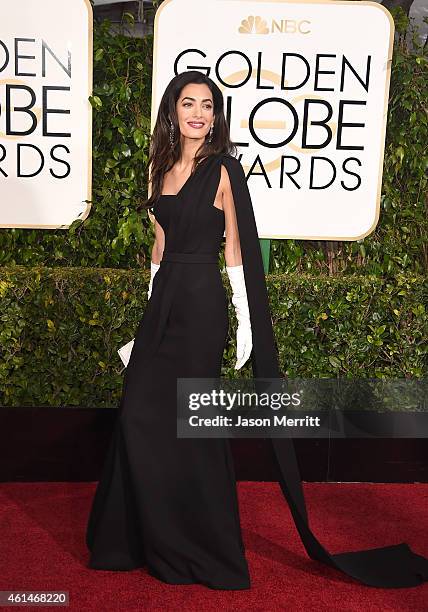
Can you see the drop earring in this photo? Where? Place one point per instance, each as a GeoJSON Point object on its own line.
{"type": "Point", "coordinates": [210, 137]}
{"type": "Point", "coordinates": [171, 134]}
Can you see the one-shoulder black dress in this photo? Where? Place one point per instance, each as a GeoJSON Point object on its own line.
{"type": "Point", "coordinates": [170, 504]}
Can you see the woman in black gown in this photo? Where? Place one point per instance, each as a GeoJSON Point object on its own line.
{"type": "Point", "coordinates": [169, 504]}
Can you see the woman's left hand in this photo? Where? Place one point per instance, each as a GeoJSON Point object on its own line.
{"type": "Point", "coordinates": [244, 342]}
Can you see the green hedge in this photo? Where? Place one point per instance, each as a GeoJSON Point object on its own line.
{"type": "Point", "coordinates": [61, 329]}
{"type": "Point", "coordinates": [116, 235]}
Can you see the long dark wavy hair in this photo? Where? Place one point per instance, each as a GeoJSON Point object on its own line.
{"type": "Point", "coordinates": [163, 156]}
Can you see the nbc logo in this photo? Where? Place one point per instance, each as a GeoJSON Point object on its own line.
{"type": "Point", "coordinates": [253, 24]}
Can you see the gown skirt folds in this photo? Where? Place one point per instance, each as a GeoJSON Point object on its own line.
{"type": "Point", "coordinates": [170, 504]}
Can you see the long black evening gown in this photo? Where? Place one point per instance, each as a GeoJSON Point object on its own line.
{"type": "Point", "coordinates": [169, 504]}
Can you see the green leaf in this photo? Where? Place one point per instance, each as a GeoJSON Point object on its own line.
{"type": "Point", "coordinates": [334, 362]}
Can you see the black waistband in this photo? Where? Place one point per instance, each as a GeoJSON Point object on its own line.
{"type": "Point", "coordinates": [190, 257]}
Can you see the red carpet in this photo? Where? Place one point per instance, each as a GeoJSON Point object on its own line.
{"type": "Point", "coordinates": [42, 548]}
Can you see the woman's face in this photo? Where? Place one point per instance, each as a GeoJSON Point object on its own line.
{"type": "Point", "coordinates": [195, 111]}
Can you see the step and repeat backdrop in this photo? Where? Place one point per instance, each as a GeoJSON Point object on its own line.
{"type": "Point", "coordinates": [306, 93]}
{"type": "Point", "coordinates": [45, 119]}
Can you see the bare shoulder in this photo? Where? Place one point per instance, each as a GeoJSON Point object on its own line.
{"type": "Point", "coordinates": [224, 180]}
{"type": "Point", "coordinates": [231, 168]}
{"type": "Point", "coordinates": [225, 189]}
{"type": "Point", "coordinates": [229, 164]}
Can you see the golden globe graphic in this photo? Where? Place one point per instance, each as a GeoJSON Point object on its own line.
{"type": "Point", "coordinates": [306, 100]}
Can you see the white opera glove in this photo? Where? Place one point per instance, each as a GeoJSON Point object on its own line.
{"type": "Point", "coordinates": [244, 338]}
{"type": "Point", "coordinates": [126, 350]}
{"type": "Point", "coordinates": [154, 267]}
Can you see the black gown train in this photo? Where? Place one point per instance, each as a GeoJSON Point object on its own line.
{"type": "Point", "coordinates": [170, 504]}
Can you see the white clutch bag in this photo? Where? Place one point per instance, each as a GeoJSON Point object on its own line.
{"type": "Point", "coordinates": [125, 352]}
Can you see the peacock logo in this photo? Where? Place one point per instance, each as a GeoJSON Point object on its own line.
{"type": "Point", "coordinates": [255, 25]}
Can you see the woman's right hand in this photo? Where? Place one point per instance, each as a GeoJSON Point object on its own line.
{"type": "Point", "coordinates": [154, 267]}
